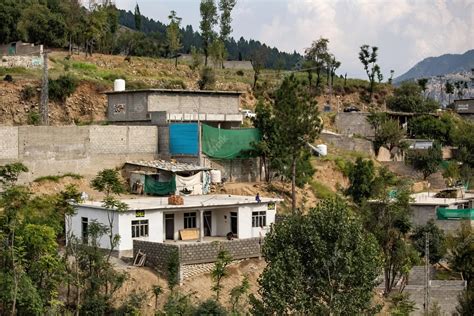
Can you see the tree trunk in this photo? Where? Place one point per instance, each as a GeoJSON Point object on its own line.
{"type": "Point", "coordinates": [387, 281]}
{"type": "Point", "coordinates": [293, 185]}
{"type": "Point", "coordinates": [176, 62]}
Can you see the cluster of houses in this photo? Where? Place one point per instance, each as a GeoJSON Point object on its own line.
{"type": "Point", "coordinates": [200, 145]}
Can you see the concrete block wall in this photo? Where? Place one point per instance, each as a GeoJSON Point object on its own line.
{"type": "Point", "coordinates": [85, 150]}
{"type": "Point", "coordinates": [237, 170]}
{"type": "Point", "coordinates": [345, 142]}
{"type": "Point", "coordinates": [196, 253]}
{"type": "Point", "coordinates": [353, 123]}
{"type": "Point", "coordinates": [157, 254]}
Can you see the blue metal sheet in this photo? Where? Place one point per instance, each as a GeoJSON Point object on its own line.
{"type": "Point", "coordinates": [184, 139]}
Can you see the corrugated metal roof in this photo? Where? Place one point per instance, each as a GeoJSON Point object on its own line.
{"type": "Point", "coordinates": [167, 165]}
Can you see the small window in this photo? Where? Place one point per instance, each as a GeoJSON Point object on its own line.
{"type": "Point", "coordinates": [190, 220]}
{"type": "Point", "coordinates": [259, 219]}
{"type": "Point", "coordinates": [140, 228]}
{"type": "Point", "coordinates": [84, 228]}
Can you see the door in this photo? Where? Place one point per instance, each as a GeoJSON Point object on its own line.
{"type": "Point", "coordinates": [207, 223]}
{"type": "Point", "coordinates": [233, 222]}
{"type": "Point", "coordinates": [169, 226]}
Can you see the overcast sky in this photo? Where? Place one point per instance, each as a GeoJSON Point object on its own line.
{"type": "Point", "coordinates": [405, 31]}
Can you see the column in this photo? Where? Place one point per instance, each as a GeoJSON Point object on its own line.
{"type": "Point", "coordinates": [201, 225]}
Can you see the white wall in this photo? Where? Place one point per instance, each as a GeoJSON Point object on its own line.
{"type": "Point", "coordinates": [155, 228]}
{"type": "Point", "coordinates": [92, 214]}
{"type": "Point", "coordinates": [221, 221]}
{"type": "Point", "coordinates": [245, 228]}
{"type": "Point", "coordinates": [122, 225]}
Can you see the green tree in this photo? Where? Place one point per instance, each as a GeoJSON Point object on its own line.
{"type": "Point", "coordinates": [452, 173]}
{"type": "Point", "coordinates": [388, 218]}
{"type": "Point", "coordinates": [426, 161]}
{"type": "Point", "coordinates": [108, 182]}
{"type": "Point", "coordinates": [265, 123]}
{"type": "Point", "coordinates": [322, 263]}
{"type": "Point", "coordinates": [461, 248]}
{"type": "Point", "coordinates": [257, 60]}
{"type": "Point", "coordinates": [220, 271]}
{"type": "Point", "coordinates": [296, 122]}
{"type": "Point", "coordinates": [208, 21]}
{"type": "Point", "coordinates": [409, 98]}
{"type": "Point", "coordinates": [196, 58]}
{"type": "Point", "coordinates": [138, 18]}
{"type": "Point", "coordinates": [391, 136]}
{"type": "Point", "coordinates": [361, 179]}
{"type": "Point", "coordinates": [449, 89]}
{"type": "Point", "coordinates": [9, 173]}
{"type": "Point", "coordinates": [38, 24]}
{"type": "Point", "coordinates": [217, 52]}
{"type": "Point", "coordinates": [423, 83]}
{"type": "Point", "coordinates": [226, 7]}
{"type": "Point", "coordinates": [465, 305]}
{"type": "Point", "coordinates": [402, 305]}
{"type": "Point", "coordinates": [207, 79]}
{"type": "Point", "coordinates": [236, 294]}
{"type": "Point", "coordinates": [173, 36]}
{"type": "Point", "coordinates": [10, 12]}
{"type": "Point", "coordinates": [318, 55]}
{"type": "Point", "coordinates": [368, 58]}
{"type": "Point", "coordinates": [437, 241]}
{"type": "Point", "coordinates": [430, 127]}
{"type": "Point", "coordinates": [157, 291]}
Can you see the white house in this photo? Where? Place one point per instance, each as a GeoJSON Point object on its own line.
{"type": "Point", "coordinates": [201, 218]}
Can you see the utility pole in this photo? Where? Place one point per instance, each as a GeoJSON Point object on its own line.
{"type": "Point", "coordinates": [427, 273]}
{"type": "Point", "coordinates": [44, 110]}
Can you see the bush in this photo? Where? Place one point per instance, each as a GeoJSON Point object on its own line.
{"type": "Point", "coordinates": [178, 304]}
{"type": "Point", "coordinates": [210, 307]}
{"type": "Point", "coordinates": [239, 72]}
{"type": "Point", "coordinates": [208, 79]}
{"type": "Point", "coordinates": [8, 78]}
{"type": "Point", "coordinates": [437, 241]}
{"type": "Point", "coordinates": [27, 93]}
{"type": "Point", "coordinates": [61, 88]}
{"type": "Point", "coordinates": [33, 118]}
{"type": "Point", "coordinates": [174, 84]}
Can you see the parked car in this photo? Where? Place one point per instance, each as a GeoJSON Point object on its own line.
{"type": "Point", "coordinates": [248, 114]}
{"type": "Point", "coordinates": [351, 109]}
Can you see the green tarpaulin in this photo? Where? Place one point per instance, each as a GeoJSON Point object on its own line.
{"type": "Point", "coordinates": [447, 213]}
{"type": "Point", "coordinates": [228, 143]}
{"type": "Point", "coordinates": [154, 187]}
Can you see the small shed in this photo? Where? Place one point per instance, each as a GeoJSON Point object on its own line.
{"type": "Point", "coordinates": [162, 177]}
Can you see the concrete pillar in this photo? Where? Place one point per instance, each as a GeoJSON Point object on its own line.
{"type": "Point", "coordinates": [201, 225]}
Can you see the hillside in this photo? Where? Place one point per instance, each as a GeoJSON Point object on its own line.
{"type": "Point", "coordinates": [96, 74]}
{"type": "Point", "coordinates": [441, 65]}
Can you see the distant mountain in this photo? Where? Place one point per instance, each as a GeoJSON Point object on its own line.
{"type": "Point", "coordinates": [441, 65]}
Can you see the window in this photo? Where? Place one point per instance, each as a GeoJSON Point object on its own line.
{"type": "Point", "coordinates": [259, 219]}
{"type": "Point", "coordinates": [84, 226]}
{"type": "Point", "coordinates": [140, 228]}
{"type": "Point", "coordinates": [190, 220]}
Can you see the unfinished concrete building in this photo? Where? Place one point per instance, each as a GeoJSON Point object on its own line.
{"type": "Point", "coordinates": [196, 127]}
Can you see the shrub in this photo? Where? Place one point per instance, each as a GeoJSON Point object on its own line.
{"type": "Point", "coordinates": [27, 93]}
{"type": "Point", "coordinates": [178, 304]}
{"type": "Point", "coordinates": [174, 84]}
{"type": "Point", "coordinates": [61, 88]}
{"type": "Point", "coordinates": [8, 78]}
{"type": "Point", "coordinates": [33, 118]}
{"type": "Point", "coordinates": [239, 72]}
{"type": "Point", "coordinates": [210, 307]}
{"type": "Point", "coordinates": [208, 79]}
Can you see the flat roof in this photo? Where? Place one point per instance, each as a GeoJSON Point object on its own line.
{"type": "Point", "coordinates": [428, 198]}
{"type": "Point", "coordinates": [178, 91]}
{"type": "Point", "coordinates": [190, 202]}
{"type": "Point", "coordinates": [167, 165]}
